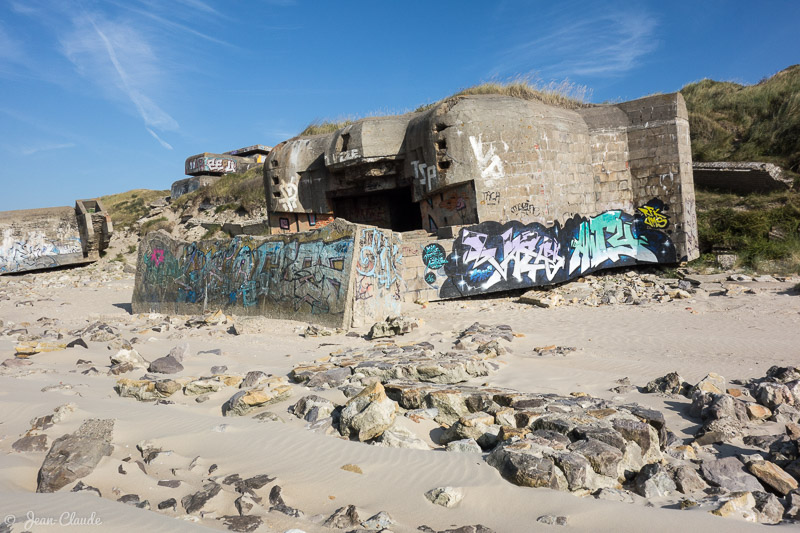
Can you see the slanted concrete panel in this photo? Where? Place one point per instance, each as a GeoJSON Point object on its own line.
{"type": "Point", "coordinates": [187, 185]}
{"type": "Point", "coordinates": [35, 239]}
{"type": "Point", "coordinates": [742, 178]}
{"type": "Point", "coordinates": [379, 285]}
{"type": "Point", "coordinates": [491, 257]}
{"type": "Point", "coordinates": [309, 276]}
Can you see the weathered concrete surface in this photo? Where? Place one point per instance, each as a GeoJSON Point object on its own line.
{"type": "Point", "coordinates": [207, 163]}
{"type": "Point", "coordinates": [490, 158]}
{"type": "Point", "coordinates": [191, 184]}
{"type": "Point", "coordinates": [741, 178]}
{"type": "Point", "coordinates": [35, 239]}
{"type": "Point", "coordinates": [342, 275]}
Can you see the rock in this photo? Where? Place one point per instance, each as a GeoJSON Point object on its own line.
{"type": "Point", "coordinates": [146, 390]}
{"type": "Point", "coordinates": [477, 426]}
{"type": "Point", "coordinates": [773, 476]}
{"type": "Point", "coordinates": [768, 508]}
{"type": "Point", "coordinates": [245, 503]}
{"type": "Point", "coordinates": [246, 401]}
{"type": "Point", "coordinates": [276, 500]}
{"type": "Point", "coordinates": [179, 352]}
{"type": "Point", "coordinates": [478, 528]}
{"type": "Point", "coordinates": [518, 463]}
{"type": "Point", "coordinates": [30, 443]}
{"type": "Point", "coordinates": [254, 483]}
{"type": "Point", "coordinates": [654, 481]}
{"type": "Point", "coordinates": [202, 386]}
{"type": "Point", "coordinates": [165, 365]}
{"type": "Point", "coordinates": [368, 414]}
{"type": "Point", "coordinates": [195, 502]}
{"type": "Point", "coordinates": [268, 416]}
{"type": "Point", "coordinates": [312, 408]}
{"type": "Point", "coordinates": [78, 343]}
{"type": "Point", "coordinates": [613, 495]}
{"type": "Point", "coordinates": [792, 506]}
{"type": "Point", "coordinates": [464, 446]}
{"type": "Point", "coordinates": [758, 412]}
{"type": "Point", "coordinates": [330, 378]}
{"type": "Point", "coordinates": [379, 521]}
{"type": "Point", "coordinates": [642, 434]}
{"type": "Point", "coordinates": [218, 369]}
{"type": "Point", "coordinates": [170, 503]}
{"type": "Point", "coordinates": [130, 357]}
{"type": "Point", "coordinates": [81, 487]}
{"type": "Point", "coordinates": [672, 383]}
{"type": "Point", "coordinates": [397, 436]}
{"type": "Point", "coordinates": [729, 474]}
{"type": "Point", "coordinates": [242, 524]}
{"type": "Point", "coordinates": [450, 404]}
{"type": "Point", "coordinates": [712, 383]}
{"type": "Point", "coordinates": [537, 298]}
{"type": "Point", "coordinates": [352, 468]}
{"type": "Point", "coordinates": [133, 499]}
{"type": "Point", "coordinates": [654, 418]}
{"type": "Point", "coordinates": [739, 505]}
{"type": "Point", "coordinates": [773, 394]}
{"type": "Point", "coordinates": [445, 496]}
{"type": "Point", "coordinates": [253, 378]}
{"type": "Point", "coordinates": [552, 520]}
{"type": "Point", "coordinates": [393, 325]}
{"type": "Point", "coordinates": [343, 517]}
{"type": "Point", "coordinates": [171, 483]}
{"type": "Point", "coordinates": [577, 470]}
{"type": "Point", "coordinates": [604, 458]}
{"type": "Point", "coordinates": [75, 455]}
{"type": "Point", "coordinates": [687, 480]}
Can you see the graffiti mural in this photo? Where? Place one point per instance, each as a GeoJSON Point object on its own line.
{"type": "Point", "coordinates": [653, 214]}
{"type": "Point", "coordinates": [35, 250]}
{"type": "Point", "coordinates": [306, 274]}
{"type": "Point", "coordinates": [492, 257]}
{"type": "Point", "coordinates": [210, 164]}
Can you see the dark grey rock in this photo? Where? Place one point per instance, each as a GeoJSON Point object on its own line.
{"type": "Point", "coordinates": [654, 481]}
{"type": "Point", "coordinates": [80, 486]}
{"type": "Point", "coordinates": [672, 383]}
{"type": "Point", "coordinates": [194, 502]}
{"type": "Point", "coordinates": [30, 443]}
{"type": "Point", "coordinates": [171, 483]}
{"type": "Point", "coordinates": [552, 520]}
{"type": "Point", "coordinates": [729, 473]}
{"type": "Point", "coordinates": [171, 503]}
{"type": "Point", "coordinates": [252, 378]}
{"type": "Point", "coordinates": [769, 508]}
{"type": "Point", "coordinates": [76, 455]}
{"type": "Point", "coordinates": [277, 503]}
{"type": "Point", "coordinates": [604, 458]}
{"type": "Point", "coordinates": [242, 523]}
{"type": "Point", "coordinates": [166, 365]}
{"type": "Point", "coordinates": [219, 369]}
{"type": "Point", "coordinates": [688, 480]}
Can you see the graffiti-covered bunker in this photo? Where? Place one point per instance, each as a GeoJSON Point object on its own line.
{"type": "Point", "coordinates": [37, 239]}
{"type": "Point", "coordinates": [477, 194]}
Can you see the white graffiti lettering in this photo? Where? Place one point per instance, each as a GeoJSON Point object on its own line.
{"type": "Point", "coordinates": [489, 163]}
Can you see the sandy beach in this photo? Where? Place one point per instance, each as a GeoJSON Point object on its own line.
{"type": "Point", "coordinates": [738, 337]}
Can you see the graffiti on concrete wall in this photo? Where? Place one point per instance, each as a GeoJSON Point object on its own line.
{"type": "Point", "coordinates": [210, 164]}
{"type": "Point", "coordinates": [35, 250]}
{"type": "Point", "coordinates": [492, 256]}
{"type": "Point", "coordinates": [379, 265]}
{"type": "Point", "coordinates": [307, 275]}
{"type": "Point", "coordinates": [489, 163]}
{"type": "Point", "coordinates": [455, 206]}
{"type": "Point", "coordinates": [654, 215]}
{"type": "Point", "coordinates": [425, 175]}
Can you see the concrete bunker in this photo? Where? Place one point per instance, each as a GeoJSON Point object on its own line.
{"type": "Point", "coordinates": [36, 239]}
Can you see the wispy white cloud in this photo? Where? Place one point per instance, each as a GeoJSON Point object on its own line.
{"type": "Point", "coordinates": [161, 141]}
{"type": "Point", "coordinates": [120, 60]}
{"type": "Point", "coordinates": [31, 150]}
{"type": "Point", "coordinates": [597, 43]}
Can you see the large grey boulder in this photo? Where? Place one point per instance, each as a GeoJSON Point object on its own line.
{"type": "Point", "coordinates": [75, 455]}
{"type": "Point", "coordinates": [523, 464]}
{"type": "Point", "coordinates": [368, 414]}
{"type": "Point", "coordinates": [166, 365]}
{"type": "Point", "coordinates": [729, 473]}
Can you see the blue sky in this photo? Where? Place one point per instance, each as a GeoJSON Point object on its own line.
{"type": "Point", "coordinates": [98, 97]}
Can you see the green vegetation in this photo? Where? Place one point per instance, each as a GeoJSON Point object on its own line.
{"type": "Point", "coordinates": [211, 231]}
{"type": "Point", "coordinates": [128, 207]}
{"type": "Point", "coordinates": [733, 122]}
{"type": "Point", "coordinates": [131, 248]}
{"type": "Point", "coordinates": [231, 192]}
{"type": "Point", "coordinates": [562, 94]}
{"type": "Point", "coordinates": [762, 229]}
{"type": "Point", "coordinates": [157, 224]}
{"type": "Point", "coordinates": [319, 126]}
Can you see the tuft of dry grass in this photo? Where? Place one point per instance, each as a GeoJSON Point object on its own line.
{"type": "Point", "coordinates": [126, 208]}
{"type": "Point", "coordinates": [319, 126]}
{"type": "Point", "coordinates": [230, 192]}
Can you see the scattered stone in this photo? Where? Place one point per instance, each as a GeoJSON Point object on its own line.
{"type": "Point", "coordinates": [392, 326]}
{"type": "Point", "coordinates": [268, 416]}
{"type": "Point", "coordinates": [131, 358]}
{"type": "Point", "coordinates": [195, 502]}
{"type": "Point", "coordinates": [712, 383]}
{"type": "Point", "coordinates": [739, 505]}
{"type": "Point", "coordinates": [312, 408]}
{"type": "Point", "coordinates": [547, 351]}
{"type": "Point", "coordinates": [672, 383]}
{"type": "Point", "coordinates": [246, 401]}
{"type": "Point", "coordinates": [30, 443]}
{"type": "Point", "coordinates": [78, 342]}
{"type": "Point", "coordinates": [773, 476]}
{"type": "Point", "coordinates": [368, 414]}
{"type": "Point", "coordinates": [445, 496]}
{"type": "Point", "coordinates": [464, 446]}
{"type": "Point", "coordinates": [171, 503]}
{"type": "Point", "coordinates": [75, 455]}
{"type": "Point", "coordinates": [165, 365]}
{"type": "Point", "coordinates": [552, 520]}
{"type": "Point", "coordinates": [729, 473]}
{"type": "Point", "coordinates": [352, 468]}
{"type": "Point", "coordinates": [133, 499]}
{"type": "Point", "coordinates": [687, 480]}
{"type": "Point", "coordinates": [768, 508]}
{"type": "Point", "coordinates": [276, 500]}
{"type": "Point", "coordinates": [219, 369]}
{"type": "Point", "coordinates": [343, 517]}
{"type": "Point", "coordinates": [179, 352]}
{"type": "Point", "coordinates": [171, 483]}
{"type": "Point", "coordinates": [242, 524]}
{"type": "Point", "coordinates": [81, 487]}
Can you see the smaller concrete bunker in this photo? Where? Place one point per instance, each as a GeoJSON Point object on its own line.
{"type": "Point", "coordinates": [36, 239]}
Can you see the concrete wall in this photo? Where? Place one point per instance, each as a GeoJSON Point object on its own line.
{"type": "Point", "coordinates": [207, 163]}
{"type": "Point", "coordinates": [742, 178]}
{"type": "Point", "coordinates": [191, 184]}
{"type": "Point", "coordinates": [310, 276]}
{"type": "Point", "coordinates": [35, 239]}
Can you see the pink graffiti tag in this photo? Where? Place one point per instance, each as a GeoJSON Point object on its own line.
{"type": "Point", "coordinates": [157, 256]}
